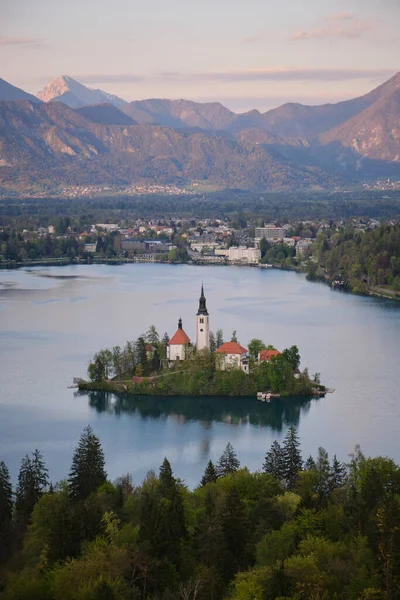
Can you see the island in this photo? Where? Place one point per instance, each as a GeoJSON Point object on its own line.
{"type": "Point", "coordinates": [209, 367]}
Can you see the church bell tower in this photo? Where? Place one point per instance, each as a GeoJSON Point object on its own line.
{"type": "Point", "coordinates": [202, 324]}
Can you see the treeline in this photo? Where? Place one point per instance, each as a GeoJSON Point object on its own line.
{"type": "Point", "coordinates": [199, 373]}
{"type": "Point", "coordinates": [360, 259]}
{"type": "Point", "coordinates": [294, 530]}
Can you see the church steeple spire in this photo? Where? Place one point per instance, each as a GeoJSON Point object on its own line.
{"type": "Point", "coordinates": [202, 303]}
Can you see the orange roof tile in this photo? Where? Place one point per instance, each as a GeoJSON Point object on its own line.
{"type": "Point", "coordinates": [231, 348]}
{"type": "Point", "coordinates": [179, 338]}
{"type": "Point", "coordinates": [268, 354]}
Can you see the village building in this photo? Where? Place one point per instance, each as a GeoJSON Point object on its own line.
{"type": "Point", "coordinates": [232, 355]}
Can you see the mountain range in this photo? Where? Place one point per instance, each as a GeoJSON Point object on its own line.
{"type": "Point", "coordinates": [72, 135]}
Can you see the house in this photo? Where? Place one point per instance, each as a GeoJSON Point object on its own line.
{"type": "Point", "coordinates": [266, 355]}
{"type": "Point", "coordinates": [232, 355]}
{"type": "Point", "coordinates": [178, 344]}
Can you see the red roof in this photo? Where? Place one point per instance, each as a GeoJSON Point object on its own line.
{"type": "Point", "coordinates": [231, 348]}
{"type": "Point", "coordinates": [268, 354]}
{"type": "Point", "coordinates": [179, 338]}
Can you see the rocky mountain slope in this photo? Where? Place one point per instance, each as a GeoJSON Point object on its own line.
{"type": "Point", "coordinates": [10, 92]}
{"type": "Point", "coordinates": [74, 94]}
{"type": "Point", "coordinates": [106, 114]}
{"type": "Point", "coordinates": [53, 144]}
{"type": "Point", "coordinates": [298, 120]}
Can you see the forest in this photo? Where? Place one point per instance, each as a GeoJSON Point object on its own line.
{"type": "Point", "coordinates": [295, 529]}
{"type": "Point", "coordinates": [362, 260]}
{"type": "Point", "coordinates": [140, 367]}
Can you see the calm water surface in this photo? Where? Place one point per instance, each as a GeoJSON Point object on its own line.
{"type": "Point", "coordinates": [52, 320]}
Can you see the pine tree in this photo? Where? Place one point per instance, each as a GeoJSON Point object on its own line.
{"type": "Point", "coordinates": [141, 354]}
{"type": "Point", "coordinates": [273, 463]}
{"type": "Point", "coordinates": [87, 470]}
{"type": "Point", "coordinates": [32, 482]}
{"type": "Point", "coordinates": [210, 474]}
{"type": "Point", "coordinates": [219, 338]}
{"type": "Point", "coordinates": [338, 473]}
{"type": "Point", "coordinates": [229, 462]}
{"type": "Point", "coordinates": [6, 509]}
{"type": "Point", "coordinates": [234, 527]}
{"type": "Point", "coordinates": [323, 469]}
{"type": "Point", "coordinates": [162, 517]}
{"type": "Point", "coordinates": [310, 465]}
{"type": "Point", "coordinates": [213, 342]}
{"type": "Point", "coordinates": [234, 337]}
{"type": "Point", "coordinates": [292, 461]}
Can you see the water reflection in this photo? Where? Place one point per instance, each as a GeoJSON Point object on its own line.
{"type": "Point", "coordinates": [232, 411]}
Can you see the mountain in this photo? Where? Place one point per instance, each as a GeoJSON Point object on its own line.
{"type": "Point", "coordinates": [74, 94]}
{"type": "Point", "coordinates": [180, 113]}
{"type": "Point", "coordinates": [372, 134]}
{"type": "Point", "coordinates": [50, 144]}
{"type": "Point", "coordinates": [10, 92]}
{"type": "Point", "coordinates": [298, 120]}
{"type": "Point", "coordinates": [106, 114]}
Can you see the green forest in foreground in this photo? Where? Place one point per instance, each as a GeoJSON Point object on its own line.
{"type": "Point", "coordinates": [363, 260]}
{"type": "Point", "coordinates": [294, 530]}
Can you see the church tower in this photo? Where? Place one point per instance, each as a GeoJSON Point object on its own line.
{"type": "Point", "coordinates": [202, 325]}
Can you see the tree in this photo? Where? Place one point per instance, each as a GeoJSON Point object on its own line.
{"type": "Point", "coordinates": [228, 462]}
{"type": "Point", "coordinates": [292, 461]}
{"type": "Point", "coordinates": [32, 482]}
{"type": "Point", "coordinates": [274, 464]}
{"type": "Point", "coordinates": [310, 465]}
{"type": "Point", "coordinates": [219, 338]}
{"type": "Point", "coordinates": [87, 470]}
{"type": "Point", "coordinates": [141, 354]}
{"type": "Point", "coordinates": [255, 346]}
{"type": "Point", "coordinates": [234, 336]}
{"type": "Point", "coordinates": [152, 336]}
{"type": "Point", "coordinates": [234, 527]}
{"type": "Point", "coordinates": [210, 474]}
{"type": "Point", "coordinates": [338, 473]}
{"type": "Point", "coordinates": [6, 509]}
{"type": "Point", "coordinates": [213, 342]}
{"type": "Point", "coordinates": [323, 469]}
{"type": "Point", "coordinates": [292, 356]}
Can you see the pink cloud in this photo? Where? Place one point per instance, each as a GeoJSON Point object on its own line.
{"type": "Point", "coordinates": [21, 41]}
{"type": "Point", "coordinates": [341, 25]}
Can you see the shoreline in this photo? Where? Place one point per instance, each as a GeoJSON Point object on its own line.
{"type": "Point", "coordinates": [128, 387]}
{"type": "Point", "coordinates": [64, 262]}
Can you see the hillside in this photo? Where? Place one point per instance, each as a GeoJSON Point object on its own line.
{"type": "Point", "coordinates": [10, 92]}
{"type": "Point", "coordinates": [106, 114]}
{"type": "Point", "coordinates": [51, 143]}
{"type": "Point", "coordinates": [180, 113]}
{"type": "Point", "coordinates": [374, 133]}
{"type": "Point", "coordinates": [74, 94]}
{"type": "Point", "coordinates": [298, 120]}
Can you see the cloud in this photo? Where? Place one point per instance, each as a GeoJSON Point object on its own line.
{"type": "Point", "coordinates": [253, 38]}
{"type": "Point", "coordinates": [21, 41]}
{"type": "Point", "coordinates": [340, 25]}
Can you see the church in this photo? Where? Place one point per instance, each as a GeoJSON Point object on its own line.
{"type": "Point", "coordinates": [179, 345]}
{"type": "Point", "coordinates": [230, 354]}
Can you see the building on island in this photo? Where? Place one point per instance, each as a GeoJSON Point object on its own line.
{"type": "Point", "coordinates": [202, 325]}
{"type": "Point", "coordinates": [266, 355]}
{"type": "Point", "coordinates": [232, 355]}
{"type": "Point", "coordinates": [178, 345]}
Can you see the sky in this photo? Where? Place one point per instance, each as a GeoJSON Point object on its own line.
{"type": "Point", "coordinates": [244, 53]}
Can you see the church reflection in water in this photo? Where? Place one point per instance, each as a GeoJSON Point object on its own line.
{"type": "Point", "coordinates": [275, 415]}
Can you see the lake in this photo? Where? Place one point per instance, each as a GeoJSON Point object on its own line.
{"type": "Point", "coordinates": [52, 321]}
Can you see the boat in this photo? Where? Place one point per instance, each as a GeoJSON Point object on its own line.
{"type": "Point", "coordinates": [266, 396]}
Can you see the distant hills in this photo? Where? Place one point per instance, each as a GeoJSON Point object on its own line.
{"type": "Point", "coordinates": [72, 135]}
